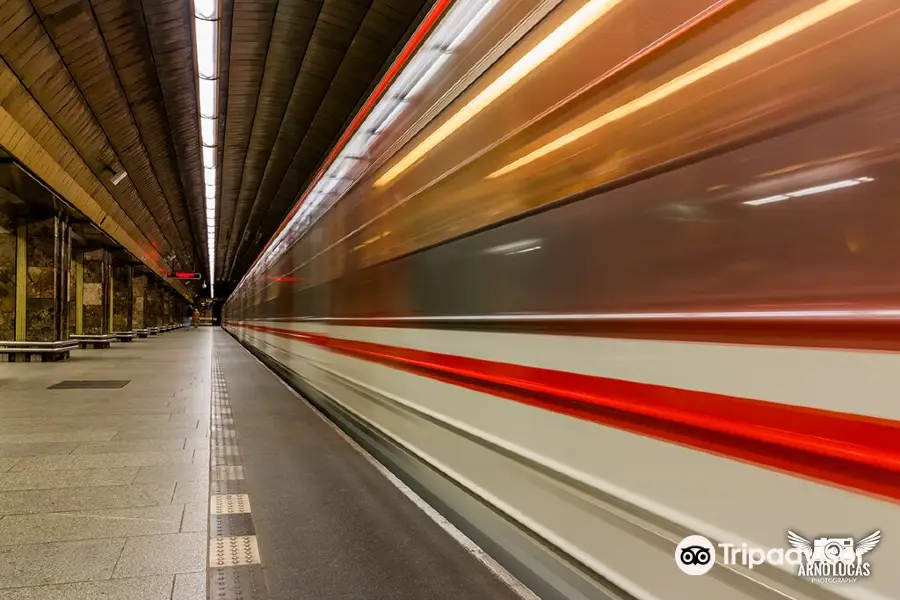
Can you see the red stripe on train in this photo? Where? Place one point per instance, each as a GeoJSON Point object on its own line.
{"type": "Point", "coordinates": [852, 451]}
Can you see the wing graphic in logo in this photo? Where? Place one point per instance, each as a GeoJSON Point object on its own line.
{"type": "Point", "coordinates": [867, 544]}
{"type": "Point", "coordinates": [802, 544]}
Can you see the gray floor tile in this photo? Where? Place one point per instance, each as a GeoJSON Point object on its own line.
{"type": "Point", "coordinates": [194, 443]}
{"type": "Point", "coordinates": [88, 498]}
{"type": "Point", "coordinates": [192, 472]}
{"type": "Point", "coordinates": [64, 436]}
{"type": "Point", "coordinates": [92, 524]}
{"type": "Point", "coordinates": [37, 480]}
{"type": "Point", "coordinates": [190, 586]}
{"type": "Point", "coordinates": [95, 422]}
{"type": "Point", "coordinates": [36, 449]}
{"type": "Point", "coordinates": [201, 455]}
{"type": "Point", "coordinates": [129, 446]}
{"type": "Point", "coordinates": [163, 554]}
{"type": "Point", "coordinates": [139, 588]}
{"type": "Point", "coordinates": [191, 491]}
{"type": "Point", "coordinates": [104, 461]}
{"type": "Point", "coordinates": [185, 421]}
{"type": "Point", "coordinates": [148, 434]}
{"type": "Point", "coordinates": [196, 517]}
{"type": "Point", "coordinates": [15, 424]}
{"type": "Point", "coordinates": [43, 564]}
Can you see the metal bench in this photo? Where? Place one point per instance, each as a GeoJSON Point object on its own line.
{"type": "Point", "coordinates": [36, 351]}
{"type": "Point", "coordinates": [124, 336]}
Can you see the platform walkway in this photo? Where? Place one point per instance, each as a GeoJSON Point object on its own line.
{"type": "Point", "coordinates": [114, 494]}
{"type": "Point", "coordinates": [104, 492]}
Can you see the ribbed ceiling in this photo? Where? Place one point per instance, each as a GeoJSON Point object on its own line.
{"type": "Point", "coordinates": [116, 81]}
{"type": "Point", "coordinates": [304, 69]}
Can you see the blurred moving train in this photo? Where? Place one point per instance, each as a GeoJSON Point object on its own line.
{"type": "Point", "coordinates": [594, 275]}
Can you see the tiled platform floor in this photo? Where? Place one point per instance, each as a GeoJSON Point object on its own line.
{"type": "Point", "coordinates": [104, 492]}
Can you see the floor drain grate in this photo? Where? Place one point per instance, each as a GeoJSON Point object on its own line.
{"type": "Point", "coordinates": [90, 384]}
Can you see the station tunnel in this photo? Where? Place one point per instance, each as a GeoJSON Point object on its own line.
{"type": "Point", "coordinates": [449, 299]}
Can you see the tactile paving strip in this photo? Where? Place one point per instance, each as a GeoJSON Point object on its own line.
{"type": "Point", "coordinates": [234, 572]}
{"type": "Point", "coordinates": [231, 525]}
{"type": "Point", "coordinates": [228, 486]}
{"type": "Point", "coordinates": [237, 583]}
{"type": "Point", "coordinates": [233, 551]}
{"type": "Point", "coordinates": [229, 504]}
{"type": "Point", "coordinates": [220, 473]}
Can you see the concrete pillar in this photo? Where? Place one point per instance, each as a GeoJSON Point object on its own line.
{"type": "Point", "coordinates": [78, 293]}
{"type": "Point", "coordinates": [139, 303]}
{"type": "Point", "coordinates": [122, 304]}
{"type": "Point", "coordinates": [7, 277]}
{"type": "Point", "coordinates": [96, 300]}
{"type": "Point", "coordinates": [43, 254]}
{"type": "Point", "coordinates": [152, 304]}
{"type": "Point", "coordinates": [166, 300]}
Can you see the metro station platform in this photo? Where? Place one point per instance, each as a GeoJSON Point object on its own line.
{"type": "Point", "coordinates": [179, 467]}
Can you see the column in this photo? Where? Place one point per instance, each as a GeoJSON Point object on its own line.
{"type": "Point", "coordinates": [151, 305]}
{"type": "Point", "coordinates": [7, 277]}
{"type": "Point", "coordinates": [139, 303]}
{"type": "Point", "coordinates": [166, 297]}
{"type": "Point", "coordinates": [34, 288]}
{"type": "Point", "coordinates": [74, 292]}
{"type": "Point", "coordinates": [122, 304]}
{"type": "Point", "coordinates": [96, 268]}
{"type": "Point", "coordinates": [42, 287]}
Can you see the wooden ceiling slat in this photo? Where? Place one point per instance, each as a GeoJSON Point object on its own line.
{"type": "Point", "coordinates": [31, 55]}
{"type": "Point", "coordinates": [332, 35]}
{"type": "Point", "coordinates": [250, 32]}
{"type": "Point", "coordinates": [115, 83]}
{"type": "Point", "coordinates": [80, 42]}
{"type": "Point", "coordinates": [121, 23]}
{"type": "Point", "coordinates": [169, 29]}
{"type": "Point", "coordinates": [377, 36]}
{"type": "Point", "coordinates": [292, 30]}
{"type": "Point", "coordinates": [225, 26]}
{"type": "Point", "coordinates": [48, 152]}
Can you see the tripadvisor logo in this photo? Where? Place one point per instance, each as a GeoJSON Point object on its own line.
{"type": "Point", "coordinates": [834, 559]}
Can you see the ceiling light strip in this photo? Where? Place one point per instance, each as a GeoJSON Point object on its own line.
{"type": "Point", "coordinates": [206, 49]}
